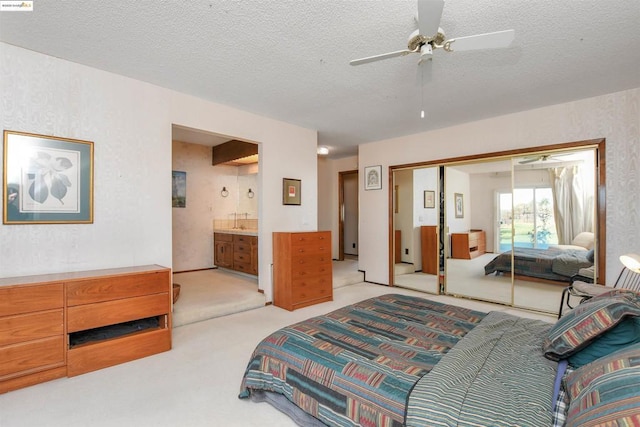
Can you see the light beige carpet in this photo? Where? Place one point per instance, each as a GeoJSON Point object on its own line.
{"type": "Point", "coordinates": [213, 293]}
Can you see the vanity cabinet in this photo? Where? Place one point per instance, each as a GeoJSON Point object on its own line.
{"type": "Point", "coordinates": [237, 252]}
{"type": "Point", "coordinates": [302, 269]}
{"type": "Point", "coordinates": [468, 245]}
{"type": "Point", "coordinates": [223, 250]}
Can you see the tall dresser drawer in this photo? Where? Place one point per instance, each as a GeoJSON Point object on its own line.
{"type": "Point", "coordinates": [309, 269]}
{"type": "Point", "coordinates": [27, 299]}
{"type": "Point", "coordinates": [310, 239]}
{"type": "Point", "coordinates": [32, 326]}
{"type": "Point", "coordinates": [18, 358]}
{"type": "Point", "coordinates": [310, 288]}
{"type": "Point", "coordinates": [301, 262]}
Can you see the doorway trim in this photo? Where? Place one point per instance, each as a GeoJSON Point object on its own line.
{"type": "Point", "coordinates": [341, 176]}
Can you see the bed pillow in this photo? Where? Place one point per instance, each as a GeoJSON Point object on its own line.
{"type": "Point", "coordinates": [584, 239]}
{"type": "Point", "coordinates": [625, 333]}
{"type": "Point", "coordinates": [589, 320]}
{"type": "Point", "coordinates": [607, 391]}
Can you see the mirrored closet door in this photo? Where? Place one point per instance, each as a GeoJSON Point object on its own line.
{"type": "Point", "coordinates": [510, 228]}
{"type": "Point", "coordinates": [554, 224]}
{"type": "Point", "coordinates": [416, 216]}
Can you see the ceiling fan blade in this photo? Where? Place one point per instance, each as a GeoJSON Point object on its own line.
{"type": "Point", "coordinates": [380, 57]}
{"type": "Point", "coordinates": [530, 160]}
{"type": "Point", "coordinates": [429, 14]}
{"type": "Point", "coordinates": [494, 40]}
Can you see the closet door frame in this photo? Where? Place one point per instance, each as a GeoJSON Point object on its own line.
{"type": "Point", "coordinates": [597, 144]}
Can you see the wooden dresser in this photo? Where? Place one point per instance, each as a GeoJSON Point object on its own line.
{"type": "Point", "coordinates": [66, 324]}
{"type": "Point", "coordinates": [429, 249]}
{"type": "Point", "coordinates": [302, 269]}
{"type": "Point", "coordinates": [468, 245]}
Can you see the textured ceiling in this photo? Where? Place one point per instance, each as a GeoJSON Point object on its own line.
{"type": "Point", "coordinates": [289, 59]}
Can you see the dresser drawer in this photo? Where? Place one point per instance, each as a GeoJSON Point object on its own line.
{"type": "Point", "coordinates": [27, 299]}
{"type": "Point", "coordinates": [32, 326]}
{"type": "Point", "coordinates": [318, 269]}
{"type": "Point", "coordinates": [311, 238]}
{"type": "Point", "coordinates": [31, 355]}
{"type": "Point", "coordinates": [310, 288]}
{"type": "Point", "coordinates": [89, 316]}
{"type": "Point", "coordinates": [107, 353]}
{"type": "Point", "coordinates": [300, 262]}
{"type": "Point", "coordinates": [116, 287]}
{"type": "Point", "coordinates": [323, 248]}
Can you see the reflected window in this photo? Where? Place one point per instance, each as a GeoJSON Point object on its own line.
{"type": "Point", "coordinates": [531, 221]}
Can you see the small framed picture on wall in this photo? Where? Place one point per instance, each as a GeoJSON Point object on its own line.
{"type": "Point", "coordinates": [373, 177]}
{"type": "Point", "coordinates": [459, 205]}
{"type": "Point", "coordinates": [429, 199]}
{"type": "Point", "coordinates": [291, 191]}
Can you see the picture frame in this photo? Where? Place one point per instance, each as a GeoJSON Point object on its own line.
{"type": "Point", "coordinates": [291, 191]}
{"type": "Point", "coordinates": [178, 189]}
{"type": "Point", "coordinates": [373, 177]}
{"type": "Point", "coordinates": [458, 205]}
{"type": "Point", "coordinates": [429, 199]}
{"type": "Point", "coordinates": [47, 179]}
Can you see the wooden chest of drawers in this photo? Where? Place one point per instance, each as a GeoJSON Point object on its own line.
{"type": "Point", "coordinates": [302, 269]}
{"type": "Point", "coordinates": [468, 245]}
{"type": "Point", "coordinates": [57, 325]}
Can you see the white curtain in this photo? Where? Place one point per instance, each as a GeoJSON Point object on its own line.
{"type": "Point", "coordinates": [573, 202]}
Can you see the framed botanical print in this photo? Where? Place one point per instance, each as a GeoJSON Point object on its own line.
{"type": "Point", "coordinates": [47, 179]}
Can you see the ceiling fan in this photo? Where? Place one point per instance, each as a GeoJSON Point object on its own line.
{"type": "Point", "coordinates": [429, 36]}
{"type": "Point", "coordinates": [540, 158]}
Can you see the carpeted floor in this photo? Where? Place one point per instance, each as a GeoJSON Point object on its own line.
{"type": "Point", "coordinates": [213, 293]}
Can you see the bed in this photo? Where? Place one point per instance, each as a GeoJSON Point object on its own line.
{"type": "Point", "coordinates": [398, 360]}
{"type": "Point", "coordinates": [554, 263]}
{"type": "Point", "coordinates": [367, 363]}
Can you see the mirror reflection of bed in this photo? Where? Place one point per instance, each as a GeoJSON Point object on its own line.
{"type": "Point", "coordinates": [544, 207]}
{"type": "Point", "coordinates": [535, 201]}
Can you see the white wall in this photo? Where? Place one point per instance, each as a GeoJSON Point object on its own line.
{"type": "Point", "coordinates": [457, 182]}
{"type": "Point", "coordinates": [130, 122]}
{"type": "Point", "coordinates": [328, 197]}
{"type": "Point", "coordinates": [615, 117]}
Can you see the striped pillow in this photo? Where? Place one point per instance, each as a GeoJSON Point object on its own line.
{"type": "Point", "coordinates": [606, 392]}
{"type": "Point", "coordinates": [588, 320]}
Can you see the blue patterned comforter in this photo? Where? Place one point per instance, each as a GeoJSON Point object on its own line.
{"type": "Point", "coordinates": [357, 365]}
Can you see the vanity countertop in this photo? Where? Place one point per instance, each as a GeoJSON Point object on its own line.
{"type": "Point", "coordinates": [245, 232]}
